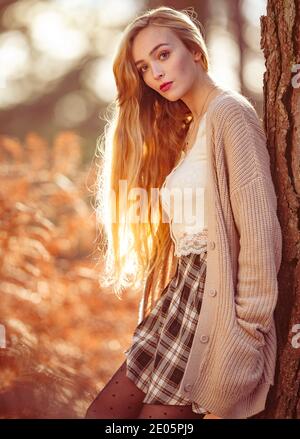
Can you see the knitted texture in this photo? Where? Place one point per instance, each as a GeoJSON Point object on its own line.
{"type": "Point", "coordinates": [232, 360]}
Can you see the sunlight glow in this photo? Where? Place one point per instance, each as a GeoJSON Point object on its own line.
{"type": "Point", "coordinates": [99, 79]}
{"type": "Point", "coordinates": [62, 33]}
{"type": "Point", "coordinates": [51, 33]}
{"type": "Point", "coordinates": [14, 55]}
{"type": "Point", "coordinates": [253, 73]}
{"type": "Point", "coordinates": [224, 56]}
{"type": "Point", "coordinates": [253, 9]}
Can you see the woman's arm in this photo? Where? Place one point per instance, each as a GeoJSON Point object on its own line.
{"type": "Point", "coordinates": [254, 204]}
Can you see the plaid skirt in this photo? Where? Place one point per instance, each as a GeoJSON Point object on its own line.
{"type": "Point", "coordinates": [161, 343]}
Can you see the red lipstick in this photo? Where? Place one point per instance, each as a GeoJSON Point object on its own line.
{"type": "Point", "coordinates": [166, 85]}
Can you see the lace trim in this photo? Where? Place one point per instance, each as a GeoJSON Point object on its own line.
{"type": "Point", "coordinates": [191, 243]}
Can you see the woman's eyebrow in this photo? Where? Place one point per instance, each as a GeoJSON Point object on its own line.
{"type": "Point", "coordinates": [152, 51]}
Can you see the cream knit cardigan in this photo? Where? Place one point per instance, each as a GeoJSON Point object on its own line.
{"type": "Point", "coordinates": [232, 359]}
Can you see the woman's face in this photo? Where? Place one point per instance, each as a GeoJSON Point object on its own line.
{"type": "Point", "coordinates": [171, 61]}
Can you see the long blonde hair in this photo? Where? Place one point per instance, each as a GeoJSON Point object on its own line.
{"type": "Point", "coordinates": [141, 144]}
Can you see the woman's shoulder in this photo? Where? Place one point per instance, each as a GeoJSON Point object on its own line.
{"type": "Point", "coordinates": [231, 107]}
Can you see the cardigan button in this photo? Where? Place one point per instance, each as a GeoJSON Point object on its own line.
{"type": "Point", "coordinates": [212, 245]}
{"type": "Point", "coordinates": [188, 387]}
{"type": "Point", "coordinates": [212, 292]}
{"type": "Point", "coordinates": [204, 338]}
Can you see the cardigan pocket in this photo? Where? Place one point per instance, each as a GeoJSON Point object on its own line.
{"type": "Point", "coordinates": [251, 349]}
{"type": "Point", "coordinates": [242, 366]}
{"type": "Point", "coordinates": [247, 337]}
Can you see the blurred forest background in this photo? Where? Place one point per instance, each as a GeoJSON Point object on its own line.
{"type": "Point", "coordinates": [61, 335]}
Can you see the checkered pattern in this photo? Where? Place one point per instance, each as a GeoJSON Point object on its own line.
{"type": "Point", "coordinates": [161, 343]}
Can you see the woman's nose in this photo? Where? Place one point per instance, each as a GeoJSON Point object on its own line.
{"type": "Point", "coordinates": [157, 73]}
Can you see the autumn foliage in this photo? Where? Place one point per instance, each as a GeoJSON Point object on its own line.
{"type": "Point", "coordinates": [64, 334]}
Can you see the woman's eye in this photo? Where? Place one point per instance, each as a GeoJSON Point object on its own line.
{"type": "Point", "coordinates": [141, 69]}
{"type": "Point", "coordinates": [165, 52]}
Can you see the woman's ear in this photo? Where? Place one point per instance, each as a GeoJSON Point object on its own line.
{"type": "Point", "coordinates": [197, 55]}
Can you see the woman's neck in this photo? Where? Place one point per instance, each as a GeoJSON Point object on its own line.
{"type": "Point", "coordinates": [196, 98]}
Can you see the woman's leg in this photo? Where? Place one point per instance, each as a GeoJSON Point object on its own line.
{"type": "Point", "coordinates": [119, 399]}
{"type": "Point", "coordinates": [122, 399]}
{"type": "Point", "coordinates": [159, 411]}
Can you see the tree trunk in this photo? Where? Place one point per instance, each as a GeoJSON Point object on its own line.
{"type": "Point", "coordinates": [281, 46]}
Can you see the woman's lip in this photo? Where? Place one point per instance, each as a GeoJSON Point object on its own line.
{"type": "Point", "coordinates": [167, 86]}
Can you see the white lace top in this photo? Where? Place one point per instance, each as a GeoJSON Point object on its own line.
{"type": "Point", "coordinates": [182, 196]}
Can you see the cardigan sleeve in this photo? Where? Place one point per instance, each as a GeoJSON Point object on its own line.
{"type": "Point", "coordinates": [254, 205]}
{"type": "Point", "coordinates": [258, 260]}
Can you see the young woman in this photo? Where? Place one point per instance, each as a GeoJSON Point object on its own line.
{"type": "Point", "coordinates": [205, 344]}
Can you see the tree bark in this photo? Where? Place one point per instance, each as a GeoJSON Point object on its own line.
{"type": "Point", "coordinates": [280, 43]}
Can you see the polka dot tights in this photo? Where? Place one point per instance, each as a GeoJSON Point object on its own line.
{"type": "Point", "coordinates": [122, 399]}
